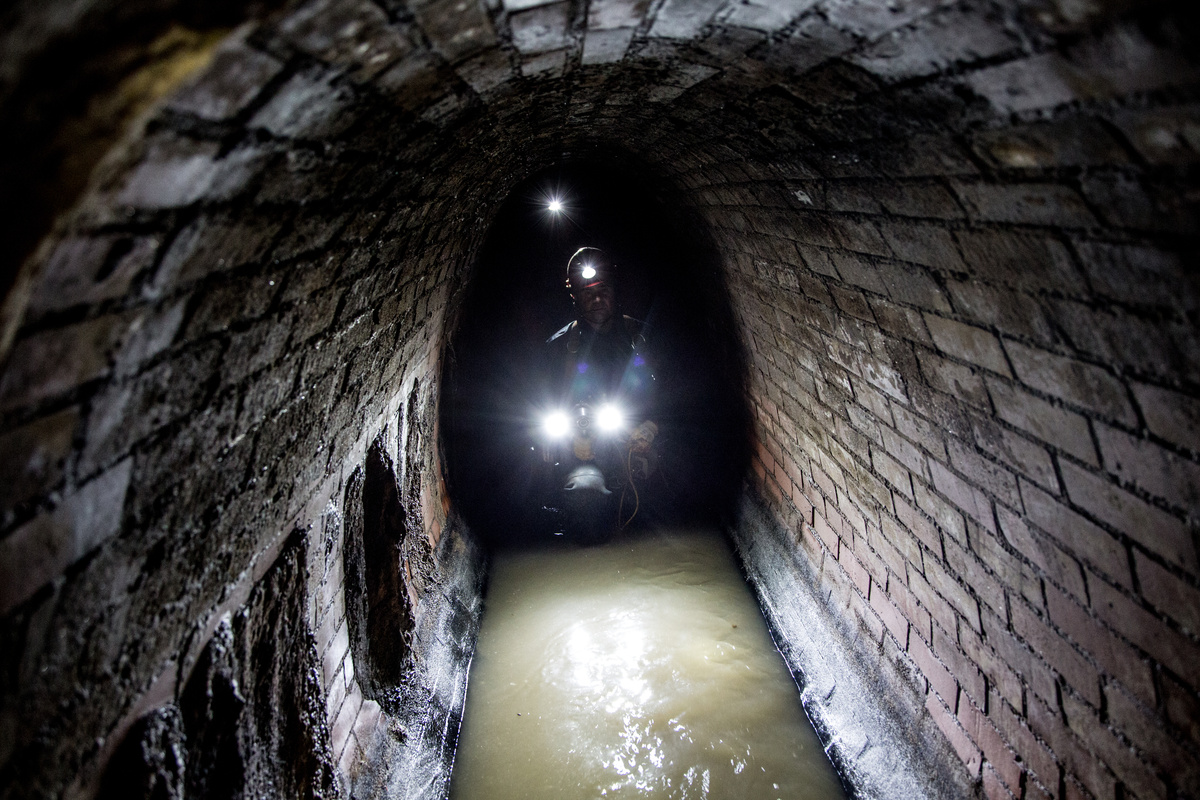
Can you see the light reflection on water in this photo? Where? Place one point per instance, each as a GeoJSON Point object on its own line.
{"type": "Point", "coordinates": [639, 669]}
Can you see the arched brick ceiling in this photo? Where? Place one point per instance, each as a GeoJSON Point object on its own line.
{"type": "Point", "coordinates": [959, 241]}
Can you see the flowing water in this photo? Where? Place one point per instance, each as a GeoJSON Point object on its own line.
{"type": "Point", "coordinates": [642, 668]}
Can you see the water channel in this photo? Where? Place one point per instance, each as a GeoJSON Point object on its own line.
{"type": "Point", "coordinates": [642, 668]}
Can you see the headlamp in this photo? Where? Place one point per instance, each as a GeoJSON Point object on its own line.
{"type": "Point", "coordinates": [610, 418]}
{"type": "Point", "coordinates": [556, 425]}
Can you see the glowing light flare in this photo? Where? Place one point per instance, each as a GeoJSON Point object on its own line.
{"type": "Point", "coordinates": [555, 206]}
{"type": "Point", "coordinates": [610, 418]}
{"type": "Point", "coordinates": [589, 272]}
{"type": "Point", "coordinates": [556, 425]}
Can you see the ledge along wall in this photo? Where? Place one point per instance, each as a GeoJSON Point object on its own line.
{"type": "Point", "coordinates": [959, 241]}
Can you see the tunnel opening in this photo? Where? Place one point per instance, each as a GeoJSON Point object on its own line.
{"type": "Point", "coordinates": [668, 276]}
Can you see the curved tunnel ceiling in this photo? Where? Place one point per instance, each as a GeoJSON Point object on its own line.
{"type": "Point", "coordinates": [958, 239]}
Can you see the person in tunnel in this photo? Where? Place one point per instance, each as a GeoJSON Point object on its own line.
{"type": "Point", "coordinates": [599, 441]}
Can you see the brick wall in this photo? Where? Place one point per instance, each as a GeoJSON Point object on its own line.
{"type": "Point", "coordinates": [973, 373]}
{"type": "Point", "coordinates": [958, 239]}
{"type": "Point", "coordinates": [249, 294]}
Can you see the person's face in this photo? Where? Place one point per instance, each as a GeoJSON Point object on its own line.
{"type": "Point", "coordinates": [597, 304]}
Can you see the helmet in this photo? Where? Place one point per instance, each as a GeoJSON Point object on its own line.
{"type": "Point", "coordinates": [588, 267]}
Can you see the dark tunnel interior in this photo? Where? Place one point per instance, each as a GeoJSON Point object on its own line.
{"type": "Point", "coordinates": [668, 276]}
{"type": "Point", "coordinates": [924, 275]}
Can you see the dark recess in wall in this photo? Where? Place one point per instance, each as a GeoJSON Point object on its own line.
{"type": "Point", "coordinates": [668, 276]}
{"type": "Point", "coordinates": [250, 722]}
{"type": "Point", "coordinates": [378, 610]}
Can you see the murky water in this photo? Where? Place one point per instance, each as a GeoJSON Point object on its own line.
{"type": "Point", "coordinates": [638, 669]}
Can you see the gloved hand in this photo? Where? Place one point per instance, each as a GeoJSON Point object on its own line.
{"type": "Point", "coordinates": [643, 436]}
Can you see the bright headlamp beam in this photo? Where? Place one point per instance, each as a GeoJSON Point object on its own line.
{"type": "Point", "coordinates": [589, 272]}
{"type": "Point", "coordinates": [554, 206]}
{"type": "Point", "coordinates": [556, 425]}
{"type": "Point", "coordinates": [609, 418]}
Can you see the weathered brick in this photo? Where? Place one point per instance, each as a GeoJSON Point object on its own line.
{"type": "Point", "coordinates": [1015, 656]}
{"type": "Point", "coordinates": [351, 34]}
{"type": "Point", "coordinates": [41, 549]}
{"type": "Point", "coordinates": [970, 754]}
{"type": "Point", "coordinates": [1161, 135]}
{"type": "Point", "coordinates": [1135, 273]}
{"type": "Point", "coordinates": [174, 172]}
{"type": "Point", "coordinates": [1173, 595]}
{"type": "Point", "coordinates": [855, 570]}
{"type": "Point", "coordinates": [1155, 529]}
{"type": "Point", "coordinates": [54, 362]}
{"type": "Point", "coordinates": [1015, 731]}
{"type": "Point", "coordinates": [905, 452]}
{"type": "Point", "coordinates": [939, 609]}
{"type": "Point", "coordinates": [974, 503]}
{"type": "Point", "coordinates": [1071, 142]}
{"type": "Point", "coordinates": [853, 303]}
{"type": "Point", "coordinates": [1013, 573]}
{"type": "Point", "coordinates": [1116, 755]}
{"type": "Point", "coordinates": [91, 269]}
{"type": "Point", "coordinates": [1075, 381]}
{"type": "Point", "coordinates": [926, 245]}
{"type": "Point", "coordinates": [308, 106]}
{"type": "Point", "coordinates": [925, 531]}
{"type": "Point", "coordinates": [1045, 421]}
{"type": "Point", "coordinates": [540, 29]}
{"type": "Point", "coordinates": [1026, 203]}
{"type": "Point", "coordinates": [1039, 82]}
{"type": "Point", "coordinates": [227, 86]}
{"type": "Point", "coordinates": [1024, 261]}
{"type": "Point", "coordinates": [1024, 457]}
{"type": "Point", "coordinates": [124, 413]}
{"type": "Point", "coordinates": [964, 670]}
{"type": "Point", "coordinates": [984, 734]}
{"type": "Point", "coordinates": [993, 478]}
{"type": "Point", "coordinates": [973, 573]}
{"type": "Point", "coordinates": [925, 155]}
{"type": "Point", "coordinates": [1059, 566]}
{"type": "Point", "coordinates": [1114, 657]}
{"type": "Point", "coordinates": [1172, 415]}
{"type": "Point", "coordinates": [953, 379]}
{"type": "Point", "coordinates": [893, 471]}
{"type": "Point", "coordinates": [948, 517]}
{"type": "Point", "coordinates": [1146, 730]}
{"type": "Point", "coordinates": [35, 456]}
{"type": "Point", "coordinates": [1085, 540]}
{"type": "Point", "coordinates": [968, 343]}
{"type": "Point", "coordinates": [1011, 311]}
{"type": "Point", "coordinates": [948, 586]}
{"type": "Point", "coordinates": [1183, 709]}
{"type": "Point", "coordinates": [1150, 467]}
{"type": "Point", "coordinates": [1068, 749]}
{"type": "Point", "coordinates": [893, 620]}
{"type": "Point", "coordinates": [932, 44]}
{"type": "Point", "coordinates": [940, 679]}
{"type": "Point", "coordinates": [1126, 201]}
{"type": "Point", "coordinates": [233, 301]}
{"type": "Point", "coordinates": [1147, 631]}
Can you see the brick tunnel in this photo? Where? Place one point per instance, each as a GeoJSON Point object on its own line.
{"type": "Point", "coordinates": [953, 279]}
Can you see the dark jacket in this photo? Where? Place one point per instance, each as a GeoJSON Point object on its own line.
{"type": "Point", "coordinates": [584, 365]}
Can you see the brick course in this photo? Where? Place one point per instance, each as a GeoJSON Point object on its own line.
{"type": "Point", "coordinates": [956, 247]}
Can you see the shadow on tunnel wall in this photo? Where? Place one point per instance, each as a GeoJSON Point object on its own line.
{"type": "Point", "coordinates": [73, 79]}
{"type": "Point", "coordinates": [250, 721]}
{"type": "Point", "coordinates": [668, 276]}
